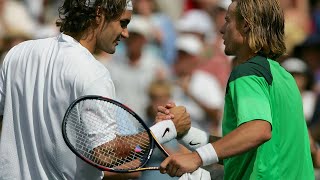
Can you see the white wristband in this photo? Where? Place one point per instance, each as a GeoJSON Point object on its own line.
{"type": "Point", "coordinates": [164, 131]}
{"type": "Point", "coordinates": [194, 139]}
{"type": "Point", "coordinates": [208, 154]}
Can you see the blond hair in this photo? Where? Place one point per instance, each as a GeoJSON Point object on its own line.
{"type": "Point", "coordinates": [265, 19]}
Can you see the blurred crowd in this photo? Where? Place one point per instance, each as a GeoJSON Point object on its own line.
{"type": "Point", "coordinates": [175, 52]}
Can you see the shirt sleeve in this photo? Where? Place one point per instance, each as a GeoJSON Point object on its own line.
{"type": "Point", "coordinates": [251, 99]}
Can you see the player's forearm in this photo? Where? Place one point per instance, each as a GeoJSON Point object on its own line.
{"type": "Point", "coordinates": [125, 146]}
{"type": "Point", "coordinates": [121, 176]}
{"type": "Point", "coordinates": [246, 137]}
{"type": "Point", "coordinates": [121, 147]}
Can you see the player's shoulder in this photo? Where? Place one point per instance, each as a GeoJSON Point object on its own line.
{"type": "Point", "coordinates": [28, 47]}
{"type": "Point", "coordinates": [257, 66]}
{"type": "Point", "coordinates": [32, 43]}
{"type": "Point", "coordinates": [82, 62]}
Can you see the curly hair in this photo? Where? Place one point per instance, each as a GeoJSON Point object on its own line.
{"type": "Point", "coordinates": [266, 22]}
{"type": "Point", "coordinates": [75, 16]}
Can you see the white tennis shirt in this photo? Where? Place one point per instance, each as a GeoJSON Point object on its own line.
{"type": "Point", "coordinates": [38, 81]}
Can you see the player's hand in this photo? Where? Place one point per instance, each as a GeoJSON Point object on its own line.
{"type": "Point", "coordinates": [181, 120]}
{"type": "Point", "coordinates": [178, 164]}
{"type": "Point", "coordinates": [164, 113]}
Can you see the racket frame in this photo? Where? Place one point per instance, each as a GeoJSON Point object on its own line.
{"type": "Point", "coordinates": [152, 138]}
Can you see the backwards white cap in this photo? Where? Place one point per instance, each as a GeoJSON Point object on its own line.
{"type": "Point", "coordinates": [90, 3]}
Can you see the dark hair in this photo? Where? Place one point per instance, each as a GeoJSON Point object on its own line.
{"type": "Point", "coordinates": [266, 22]}
{"type": "Point", "coordinates": [75, 16]}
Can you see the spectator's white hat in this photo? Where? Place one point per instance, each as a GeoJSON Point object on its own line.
{"type": "Point", "coordinates": [224, 4]}
{"type": "Point", "coordinates": [295, 65]}
{"type": "Point", "coordinates": [190, 44]}
{"type": "Point", "coordinates": [140, 25]}
{"type": "Point", "coordinates": [197, 21]}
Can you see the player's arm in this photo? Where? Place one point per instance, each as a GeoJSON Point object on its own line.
{"type": "Point", "coordinates": [121, 176]}
{"type": "Point", "coordinates": [247, 136]}
{"type": "Point", "coordinates": [120, 148]}
{"type": "Point", "coordinates": [244, 138]}
{"type": "Point", "coordinates": [194, 137]}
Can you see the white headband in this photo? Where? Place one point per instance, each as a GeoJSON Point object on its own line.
{"type": "Point", "coordinates": [90, 3]}
{"type": "Point", "coordinates": [129, 5]}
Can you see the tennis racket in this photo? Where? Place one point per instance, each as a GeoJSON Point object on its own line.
{"type": "Point", "coordinates": [108, 135]}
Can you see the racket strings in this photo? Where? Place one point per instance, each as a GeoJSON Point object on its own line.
{"type": "Point", "coordinates": [107, 135]}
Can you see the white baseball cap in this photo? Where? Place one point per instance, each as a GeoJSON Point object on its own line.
{"type": "Point", "coordinates": [140, 25]}
{"type": "Point", "coordinates": [295, 65]}
{"type": "Point", "coordinates": [224, 3]}
{"type": "Point", "coordinates": [190, 44]}
{"type": "Point", "coordinates": [197, 21]}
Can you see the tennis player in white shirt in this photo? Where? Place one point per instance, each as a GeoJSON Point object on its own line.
{"type": "Point", "coordinates": [40, 78]}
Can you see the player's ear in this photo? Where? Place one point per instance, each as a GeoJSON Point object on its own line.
{"type": "Point", "coordinates": [99, 15]}
{"type": "Point", "coordinates": [245, 27]}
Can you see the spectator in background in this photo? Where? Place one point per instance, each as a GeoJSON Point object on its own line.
{"type": "Point", "coordinates": [173, 9]}
{"type": "Point", "coordinates": [14, 31]}
{"type": "Point", "coordinates": [134, 70]}
{"type": "Point", "coordinates": [315, 12]}
{"type": "Point", "coordinates": [205, 5]}
{"type": "Point", "coordinates": [163, 29]}
{"type": "Point", "coordinates": [42, 10]}
{"type": "Point", "coordinates": [309, 51]}
{"type": "Point", "coordinates": [10, 9]}
{"type": "Point", "coordinates": [196, 89]}
{"type": "Point", "coordinates": [35, 8]}
{"type": "Point", "coordinates": [297, 22]}
{"type": "Point", "coordinates": [304, 79]}
{"type": "Point", "coordinates": [189, 23]}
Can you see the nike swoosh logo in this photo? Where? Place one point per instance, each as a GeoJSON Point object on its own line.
{"type": "Point", "coordinates": [193, 144]}
{"type": "Point", "coordinates": [166, 131]}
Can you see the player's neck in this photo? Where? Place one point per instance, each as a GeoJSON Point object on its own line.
{"type": "Point", "coordinates": [245, 55]}
{"type": "Point", "coordinates": [89, 44]}
{"type": "Point", "coordinates": [85, 39]}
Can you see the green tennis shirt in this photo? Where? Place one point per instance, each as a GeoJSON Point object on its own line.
{"type": "Point", "coordinates": [261, 89]}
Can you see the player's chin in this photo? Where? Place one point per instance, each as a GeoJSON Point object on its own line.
{"type": "Point", "coordinates": [111, 50]}
{"type": "Point", "coordinates": [228, 52]}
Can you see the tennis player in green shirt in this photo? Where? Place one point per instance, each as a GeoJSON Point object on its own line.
{"type": "Point", "coordinates": [264, 130]}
